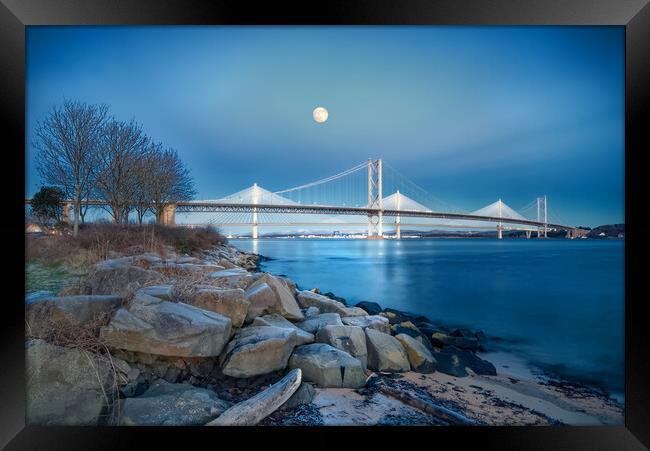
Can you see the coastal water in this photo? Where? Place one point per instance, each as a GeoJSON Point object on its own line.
{"type": "Point", "coordinates": [558, 303]}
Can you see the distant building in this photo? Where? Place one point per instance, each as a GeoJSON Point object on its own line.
{"type": "Point", "coordinates": [33, 228]}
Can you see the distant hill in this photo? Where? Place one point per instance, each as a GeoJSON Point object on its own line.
{"type": "Point", "coordinates": [608, 231]}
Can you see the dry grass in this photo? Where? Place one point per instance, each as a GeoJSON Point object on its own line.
{"type": "Point", "coordinates": [86, 338]}
{"type": "Point", "coordinates": [95, 241]}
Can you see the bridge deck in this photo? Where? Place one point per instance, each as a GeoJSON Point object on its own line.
{"type": "Point", "coordinates": [213, 207]}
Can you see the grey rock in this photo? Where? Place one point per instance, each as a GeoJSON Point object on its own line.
{"type": "Point", "coordinates": [232, 278]}
{"type": "Point", "coordinates": [314, 323]}
{"type": "Point", "coordinates": [304, 395]}
{"type": "Point", "coordinates": [165, 404]}
{"type": "Point", "coordinates": [66, 386]}
{"type": "Point", "coordinates": [44, 313]}
{"type": "Point", "coordinates": [153, 326]}
{"type": "Point", "coordinates": [302, 337]}
{"type": "Point", "coordinates": [350, 339]}
{"type": "Point", "coordinates": [371, 307]}
{"type": "Point", "coordinates": [310, 311]}
{"type": "Point", "coordinates": [385, 353]}
{"type": "Point", "coordinates": [164, 292]}
{"type": "Point", "coordinates": [269, 294]}
{"type": "Point", "coordinates": [419, 356]}
{"type": "Point", "coordinates": [120, 280]}
{"type": "Point", "coordinates": [328, 366]}
{"type": "Point", "coordinates": [327, 305]}
{"type": "Point", "coordinates": [230, 302]}
{"type": "Point", "coordinates": [376, 322]}
{"type": "Point", "coordinates": [454, 361]}
{"type": "Point", "coordinates": [258, 350]}
{"type": "Point", "coordinates": [440, 340]}
{"type": "Point", "coordinates": [410, 329]}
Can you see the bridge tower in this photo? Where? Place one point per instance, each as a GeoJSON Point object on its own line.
{"type": "Point", "coordinates": [500, 225]}
{"type": "Point", "coordinates": [169, 215]}
{"type": "Point", "coordinates": [375, 198]}
{"type": "Point", "coordinates": [255, 201]}
{"type": "Point", "coordinates": [540, 201]}
{"type": "Point", "coordinates": [398, 225]}
{"type": "Point", "coordinates": [67, 208]}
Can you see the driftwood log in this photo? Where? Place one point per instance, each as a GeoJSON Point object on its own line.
{"type": "Point", "coordinates": [436, 410]}
{"type": "Point", "coordinates": [255, 409]}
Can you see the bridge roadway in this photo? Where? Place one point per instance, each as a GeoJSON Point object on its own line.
{"type": "Point", "coordinates": [205, 207]}
{"type": "Point", "coordinates": [222, 207]}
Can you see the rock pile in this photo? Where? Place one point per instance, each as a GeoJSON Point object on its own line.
{"type": "Point", "coordinates": [235, 326]}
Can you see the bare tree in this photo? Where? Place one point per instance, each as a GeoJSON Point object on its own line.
{"type": "Point", "coordinates": [67, 140]}
{"type": "Point", "coordinates": [145, 168]}
{"type": "Point", "coordinates": [122, 147]}
{"type": "Point", "coordinates": [170, 181]}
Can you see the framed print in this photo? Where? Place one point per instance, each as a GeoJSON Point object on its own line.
{"type": "Point", "coordinates": [413, 216]}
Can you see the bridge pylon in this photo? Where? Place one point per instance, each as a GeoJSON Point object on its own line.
{"type": "Point", "coordinates": [67, 209]}
{"type": "Point", "coordinates": [544, 229]}
{"type": "Point", "coordinates": [375, 231]}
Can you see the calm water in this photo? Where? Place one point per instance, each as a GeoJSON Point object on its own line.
{"type": "Point", "coordinates": [559, 303]}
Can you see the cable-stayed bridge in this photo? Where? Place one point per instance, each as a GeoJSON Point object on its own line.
{"type": "Point", "coordinates": [356, 197]}
{"type": "Point", "coordinates": [371, 195]}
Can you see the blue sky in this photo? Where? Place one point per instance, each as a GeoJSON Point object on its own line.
{"type": "Point", "coordinates": [471, 114]}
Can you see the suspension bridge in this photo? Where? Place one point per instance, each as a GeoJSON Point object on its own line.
{"type": "Point", "coordinates": [355, 197]}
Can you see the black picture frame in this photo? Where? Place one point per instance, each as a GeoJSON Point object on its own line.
{"type": "Point", "coordinates": [634, 15]}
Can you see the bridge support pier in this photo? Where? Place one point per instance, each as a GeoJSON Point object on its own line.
{"type": "Point", "coordinates": [398, 228]}
{"type": "Point", "coordinates": [528, 233]}
{"type": "Point", "coordinates": [169, 215]}
{"type": "Point", "coordinates": [255, 223]}
{"type": "Point", "coordinates": [500, 232]}
{"type": "Point", "coordinates": [67, 209]}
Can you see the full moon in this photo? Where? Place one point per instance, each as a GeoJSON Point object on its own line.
{"type": "Point", "coordinates": [320, 114]}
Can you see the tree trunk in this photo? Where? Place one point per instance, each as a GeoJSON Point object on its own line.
{"type": "Point", "coordinates": [77, 206]}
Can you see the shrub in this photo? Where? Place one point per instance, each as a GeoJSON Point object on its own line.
{"type": "Point", "coordinates": [94, 242]}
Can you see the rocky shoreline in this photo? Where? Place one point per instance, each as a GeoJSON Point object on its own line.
{"type": "Point", "coordinates": [209, 339]}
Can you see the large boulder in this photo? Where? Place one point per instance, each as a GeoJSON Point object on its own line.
{"type": "Point", "coordinates": [232, 278]}
{"type": "Point", "coordinates": [440, 340]}
{"type": "Point", "coordinates": [385, 353]}
{"type": "Point", "coordinates": [164, 292]}
{"type": "Point", "coordinates": [328, 366]}
{"type": "Point", "coordinates": [371, 307]}
{"type": "Point", "coordinates": [394, 316]}
{"type": "Point", "coordinates": [258, 350]}
{"type": "Point", "coordinates": [230, 302]}
{"type": "Point", "coordinates": [454, 361]}
{"type": "Point", "coordinates": [410, 329]}
{"type": "Point", "coordinates": [269, 294]}
{"type": "Point", "coordinates": [302, 337]}
{"type": "Point", "coordinates": [43, 314]}
{"type": "Point", "coordinates": [68, 386]}
{"type": "Point", "coordinates": [350, 339]}
{"type": "Point", "coordinates": [153, 326]}
{"type": "Point", "coordinates": [310, 311]}
{"type": "Point", "coordinates": [419, 356]}
{"type": "Point", "coordinates": [227, 264]}
{"type": "Point", "coordinates": [376, 322]}
{"type": "Point", "coordinates": [165, 404]}
{"type": "Point", "coordinates": [325, 304]}
{"type": "Point", "coordinates": [314, 323]}
{"type": "Point", "coordinates": [304, 395]}
{"type": "Point", "coordinates": [120, 280]}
